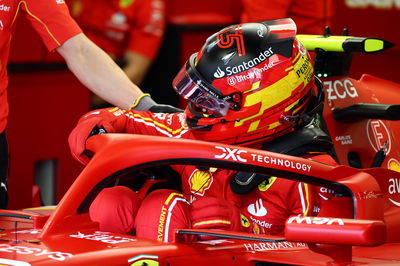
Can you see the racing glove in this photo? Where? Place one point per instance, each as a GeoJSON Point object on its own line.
{"type": "Point", "coordinates": [215, 213]}
{"type": "Point", "coordinates": [144, 103]}
{"type": "Point", "coordinates": [91, 124]}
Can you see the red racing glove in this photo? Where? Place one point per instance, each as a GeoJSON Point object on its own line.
{"type": "Point", "coordinates": [93, 123]}
{"type": "Point", "coordinates": [214, 213]}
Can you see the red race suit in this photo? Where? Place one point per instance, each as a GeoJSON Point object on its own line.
{"type": "Point", "coordinates": [120, 25]}
{"type": "Point", "coordinates": [264, 210]}
{"type": "Point", "coordinates": [50, 18]}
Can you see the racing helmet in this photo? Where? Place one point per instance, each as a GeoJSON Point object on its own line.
{"type": "Point", "coordinates": [247, 84]}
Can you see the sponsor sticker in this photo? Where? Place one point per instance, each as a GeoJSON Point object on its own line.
{"type": "Point", "coordinates": [263, 246]}
{"type": "Point", "coordinates": [257, 208]}
{"type": "Point", "coordinates": [378, 135]}
{"type": "Point", "coordinates": [315, 220]}
{"type": "Point", "coordinates": [281, 162]}
{"type": "Point", "coordinates": [340, 89]}
{"type": "Point", "coordinates": [38, 252]}
{"type": "Point", "coordinates": [234, 154]}
{"type": "Point", "coordinates": [239, 155]}
{"type": "Point", "coordinates": [254, 74]}
{"type": "Point", "coordinates": [344, 140]}
{"type": "Point", "coordinates": [246, 65]}
{"type": "Point", "coordinates": [263, 224]}
{"type": "Point", "coordinates": [200, 181]}
{"type": "Point", "coordinates": [103, 237]}
{"type": "Point", "coordinates": [394, 186]}
{"type": "Point", "coordinates": [4, 8]}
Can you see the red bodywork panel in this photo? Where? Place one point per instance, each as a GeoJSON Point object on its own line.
{"type": "Point", "coordinates": [366, 136]}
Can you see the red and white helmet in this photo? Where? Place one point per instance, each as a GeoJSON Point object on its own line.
{"type": "Point", "coordinates": [246, 82]}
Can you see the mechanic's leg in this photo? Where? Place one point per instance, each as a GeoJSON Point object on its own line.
{"type": "Point", "coordinates": [161, 212]}
{"type": "Point", "coordinates": [115, 209]}
{"type": "Point", "coordinates": [3, 170]}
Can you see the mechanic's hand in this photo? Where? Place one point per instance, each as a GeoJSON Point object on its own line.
{"type": "Point", "coordinates": [163, 108]}
{"type": "Point", "coordinates": [214, 213]}
{"type": "Point", "coordinates": [85, 129]}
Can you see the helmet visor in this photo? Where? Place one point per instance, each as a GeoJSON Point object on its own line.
{"type": "Point", "coordinates": [189, 84]}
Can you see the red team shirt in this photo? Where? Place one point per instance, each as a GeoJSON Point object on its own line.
{"type": "Point", "coordinates": [310, 16]}
{"type": "Point", "coordinates": [120, 25]}
{"type": "Point", "coordinates": [268, 206]}
{"type": "Point", "coordinates": [50, 18]}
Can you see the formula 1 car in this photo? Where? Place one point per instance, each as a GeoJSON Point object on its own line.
{"type": "Point", "coordinates": [361, 226]}
{"type": "Point", "coordinates": [365, 230]}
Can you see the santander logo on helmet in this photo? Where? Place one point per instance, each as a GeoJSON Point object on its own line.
{"type": "Point", "coordinates": [245, 65]}
{"type": "Point", "coordinates": [219, 73]}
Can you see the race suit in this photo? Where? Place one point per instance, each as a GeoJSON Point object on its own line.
{"type": "Point", "coordinates": [264, 210]}
{"type": "Point", "coordinates": [310, 16]}
{"type": "Point", "coordinates": [51, 19]}
{"type": "Point", "coordinates": [117, 26]}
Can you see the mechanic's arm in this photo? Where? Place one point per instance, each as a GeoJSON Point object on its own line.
{"type": "Point", "coordinates": [136, 67]}
{"type": "Point", "coordinates": [98, 72]}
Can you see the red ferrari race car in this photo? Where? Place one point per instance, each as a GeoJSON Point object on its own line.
{"type": "Point", "coordinates": [66, 235]}
{"type": "Point", "coordinates": [365, 229]}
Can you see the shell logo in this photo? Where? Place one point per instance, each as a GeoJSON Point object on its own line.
{"type": "Point", "coordinates": [394, 165]}
{"type": "Point", "coordinates": [200, 181]}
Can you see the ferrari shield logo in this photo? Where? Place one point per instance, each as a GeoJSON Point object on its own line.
{"type": "Point", "coordinates": [149, 260]}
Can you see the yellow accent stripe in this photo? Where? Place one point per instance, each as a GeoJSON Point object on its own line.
{"type": "Point", "coordinates": [35, 17]}
{"type": "Point", "coordinates": [171, 196]}
{"type": "Point", "coordinates": [254, 126]}
{"type": "Point", "coordinates": [40, 208]}
{"type": "Point", "coordinates": [269, 96]}
{"type": "Point", "coordinates": [307, 196]}
{"type": "Point", "coordinates": [149, 119]}
{"type": "Point", "coordinates": [274, 125]}
{"type": "Point", "coordinates": [289, 69]}
{"type": "Point", "coordinates": [291, 106]}
{"type": "Point", "coordinates": [212, 222]}
{"type": "Point", "coordinates": [297, 57]}
{"type": "Point", "coordinates": [170, 130]}
{"type": "Point", "coordinates": [137, 101]}
{"type": "Point", "coordinates": [254, 86]}
{"type": "Point", "coordinates": [115, 109]}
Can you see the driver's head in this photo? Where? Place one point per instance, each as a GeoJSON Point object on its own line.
{"type": "Point", "coordinates": [245, 82]}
